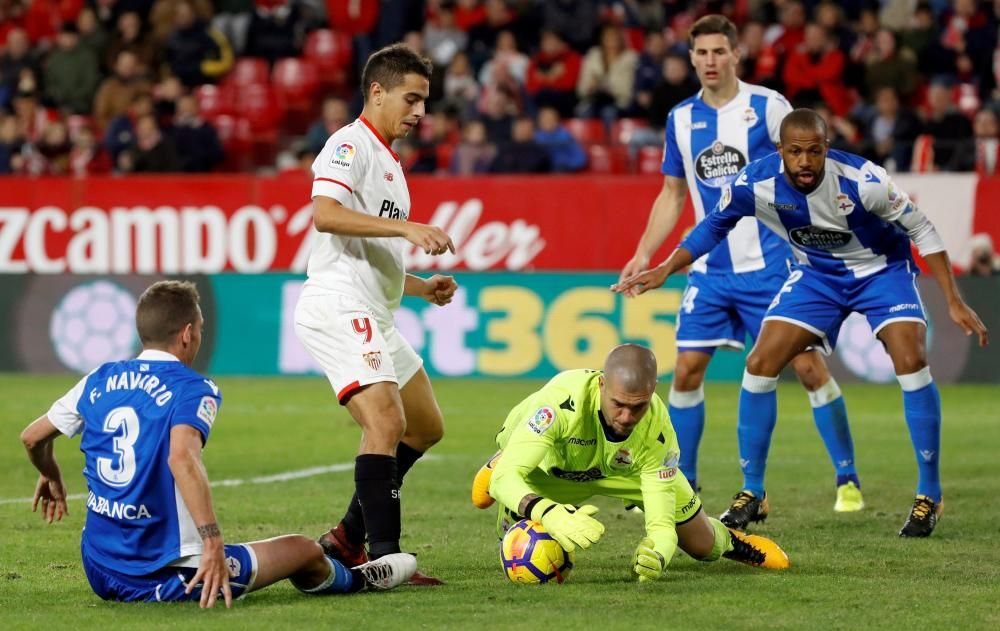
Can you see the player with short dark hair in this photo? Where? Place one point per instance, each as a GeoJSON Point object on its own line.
{"type": "Point", "coordinates": [356, 278]}
{"type": "Point", "coordinates": [850, 228]}
{"type": "Point", "coordinates": [151, 533]}
{"type": "Point", "coordinates": [709, 138]}
{"type": "Point", "coordinates": [589, 432]}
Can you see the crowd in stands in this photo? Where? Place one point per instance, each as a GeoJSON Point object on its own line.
{"type": "Point", "coordinates": [525, 86]}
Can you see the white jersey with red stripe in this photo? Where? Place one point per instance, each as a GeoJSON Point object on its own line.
{"type": "Point", "coordinates": [358, 168]}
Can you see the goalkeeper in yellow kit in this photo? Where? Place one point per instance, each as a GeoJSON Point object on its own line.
{"type": "Point", "coordinates": [588, 433]}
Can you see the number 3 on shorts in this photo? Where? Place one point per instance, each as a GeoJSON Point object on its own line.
{"type": "Point", "coordinates": [787, 287]}
{"type": "Point", "coordinates": [363, 326]}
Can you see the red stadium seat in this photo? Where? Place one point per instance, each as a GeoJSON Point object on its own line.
{"type": "Point", "coordinates": [586, 130]}
{"type": "Point", "coordinates": [260, 106]}
{"type": "Point", "coordinates": [214, 100]}
{"type": "Point", "coordinates": [607, 159]}
{"type": "Point", "coordinates": [295, 83]}
{"type": "Point", "coordinates": [332, 52]}
{"type": "Point", "coordinates": [622, 129]}
{"type": "Point", "coordinates": [248, 71]}
{"type": "Point", "coordinates": [444, 154]}
{"type": "Point", "coordinates": [237, 140]}
{"type": "Point", "coordinates": [649, 160]}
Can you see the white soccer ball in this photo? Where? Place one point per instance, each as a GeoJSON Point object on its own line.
{"type": "Point", "coordinates": [94, 323]}
{"type": "Point", "coordinates": [862, 353]}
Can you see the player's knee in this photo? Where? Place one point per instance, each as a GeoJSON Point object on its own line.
{"type": "Point", "coordinates": [811, 370]}
{"type": "Point", "coordinates": [688, 374]}
{"type": "Point", "coordinates": [909, 361]}
{"type": "Point", "coordinates": [425, 431]}
{"type": "Point", "coordinates": [761, 365]}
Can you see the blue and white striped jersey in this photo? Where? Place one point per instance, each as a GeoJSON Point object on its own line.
{"type": "Point", "coordinates": [854, 224]}
{"type": "Point", "coordinates": [708, 147]}
{"type": "Point", "coordinates": [137, 521]}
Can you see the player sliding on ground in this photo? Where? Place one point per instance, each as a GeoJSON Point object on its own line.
{"type": "Point", "coordinates": [151, 532]}
{"type": "Point", "coordinates": [589, 432]}
{"type": "Point", "coordinates": [848, 226]}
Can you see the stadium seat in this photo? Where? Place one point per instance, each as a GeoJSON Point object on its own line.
{"type": "Point", "coordinates": [607, 159]}
{"type": "Point", "coordinates": [586, 130]}
{"type": "Point", "coordinates": [236, 138]}
{"type": "Point", "coordinates": [649, 160]}
{"type": "Point", "coordinates": [332, 52]}
{"type": "Point", "coordinates": [248, 71]}
{"type": "Point", "coordinates": [295, 82]}
{"type": "Point", "coordinates": [214, 100]}
{"type": "Point", "coordinates": [260, 106]}
{"type": "Point", "coordinates": [623, 128]}
{"type": "Point", "coordinates": [444, 155]}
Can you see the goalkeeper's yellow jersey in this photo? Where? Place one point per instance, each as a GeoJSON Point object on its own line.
{"type": "Point", "coordinates": [558, 431]}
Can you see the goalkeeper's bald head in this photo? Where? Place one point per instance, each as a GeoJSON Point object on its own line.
{"type": "Point", "coordinates": [631, 368]}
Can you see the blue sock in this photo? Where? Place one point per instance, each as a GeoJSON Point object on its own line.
{"type": "Point", "coordinates": [341, 581]}
{"type": "Point", "coordinates": [687, 415]}
{"type": "Point", "coordinates": [922, 408]}
{"type": "Point", "coordinates": [758, 415]}
{"type": "Point", "coordinates": [830, 414]}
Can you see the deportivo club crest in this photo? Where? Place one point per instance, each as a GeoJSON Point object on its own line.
{"type": "Point", "coordinates": [373, 359]}
{"type": "Point", "coordinates": [622, 459]}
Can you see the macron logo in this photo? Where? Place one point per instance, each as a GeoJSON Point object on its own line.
{"type": "Point", "coordinates": [927, 455]}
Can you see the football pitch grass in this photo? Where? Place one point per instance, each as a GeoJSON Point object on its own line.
{"type": "Point", "coordinates": [848, 571]}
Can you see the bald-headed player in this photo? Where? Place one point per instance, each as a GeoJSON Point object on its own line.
{"type": "Point", "coordinates": [606, 432]}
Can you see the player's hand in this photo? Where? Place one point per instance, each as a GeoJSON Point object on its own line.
{"type": "Point", "coordinates": [636, 265]}
{"type": "Point", "coordinates": [969, 321]}
{"type": "Point", "coordinates": [51, 494]}
{"type": "Point", "coordinates": [212, 574]}
{"type": "Point", "coordinates": [647, 562]}
{"type": "Point", "coordinates": [431, 239]}
{"type": "Point", "coordinates": [642, 282]}
{"type": "Point", "coordinates": [568, 525]}
{"type": "Point", "coordinates": [439, 289]}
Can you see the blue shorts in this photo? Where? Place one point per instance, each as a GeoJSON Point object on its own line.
{"type": "Point", "coordinates": [721, 309]}
{"type": "Point", "coordinates": [819, 303]}
{"type": "Point", "coordinates": [168, 584]}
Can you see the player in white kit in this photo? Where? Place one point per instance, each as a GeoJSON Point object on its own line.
{"type": "Point", "coordinates": [356, 278]}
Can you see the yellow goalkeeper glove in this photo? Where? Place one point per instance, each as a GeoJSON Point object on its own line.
{"type": "Point", "coordinates": [647, 562]}
{"type": "Point", "coordinates": [568, 525]}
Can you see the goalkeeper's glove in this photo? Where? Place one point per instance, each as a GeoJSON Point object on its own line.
{"type": "Point", "coordinates": [570, 526]}
{"type": "Point", "coordinates": [647, 562]}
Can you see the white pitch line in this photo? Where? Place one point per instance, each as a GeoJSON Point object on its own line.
{"type": "Point", "coordinates": [340, 467]}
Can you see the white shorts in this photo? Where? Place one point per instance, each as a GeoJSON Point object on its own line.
{"type": "Point", "coordinates": [351, 345]}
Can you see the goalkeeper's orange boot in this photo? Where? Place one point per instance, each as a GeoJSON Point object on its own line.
{"type": "Point", "coordinates": [481, 483]}
{"type": "Point", "coordinates": [756, 551]}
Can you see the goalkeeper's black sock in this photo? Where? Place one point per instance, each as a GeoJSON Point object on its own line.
{"type": "Point", "coordinates": [378, 494]}
{"type": "Point", "coordinates": [354, 520]}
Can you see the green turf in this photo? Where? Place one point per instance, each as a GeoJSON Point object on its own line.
{"type": "Point", "coordinates": [849, 571]}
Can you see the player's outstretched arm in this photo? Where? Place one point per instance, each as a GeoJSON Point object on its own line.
{"type": "Point", "coordinates": [192, 482]}
{"type": "Point", "coordinates": [653, 278]}
{"type": "Point", "coordinates": [437, 289]}
{"type": "Point", "coordinates": [50, 492]}
{"type": "Point", "coordinates": [960, 313]}
{"type": "Point", "coordinates": [663, 217]}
